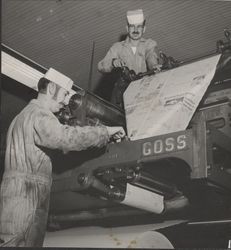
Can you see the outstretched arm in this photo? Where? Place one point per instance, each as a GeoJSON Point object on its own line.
{"type": "Point", "coordinates": [51, 134]}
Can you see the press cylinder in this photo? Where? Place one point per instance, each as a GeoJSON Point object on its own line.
{"type": "Point", "coordinates": [161, 187]}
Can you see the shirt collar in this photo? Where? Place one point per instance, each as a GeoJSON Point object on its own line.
{"type": "Point", "coordinates": [126, 41]}
{"type": "Point", "coordinates": [39, 103]}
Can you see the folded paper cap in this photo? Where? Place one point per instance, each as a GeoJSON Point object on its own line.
{"type": "Point", "coordinates": [58, 78]}
{"type": "Point", "coordinates": [135, 16]}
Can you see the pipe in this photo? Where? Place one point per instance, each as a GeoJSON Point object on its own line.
{"type": "Point", "coordinates": [213, 222]}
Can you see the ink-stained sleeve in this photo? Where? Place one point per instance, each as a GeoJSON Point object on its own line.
{"type": "Point", "coordinates": [48, 132]}
{"type": "Point", "coordinates": [105, 65]}
{"type": "Point", "coordinates": [151, 53]}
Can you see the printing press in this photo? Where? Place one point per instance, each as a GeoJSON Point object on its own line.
{"type": "Point", "coordinates": [194, 162]}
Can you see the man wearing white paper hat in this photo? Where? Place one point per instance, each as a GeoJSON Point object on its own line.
{"type": "Point", "coordinates": [135, 52]}
{"type": "Point", "coordinates": [27, 178]}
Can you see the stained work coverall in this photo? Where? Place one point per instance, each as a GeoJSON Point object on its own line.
{"type": "Point", "coordinates": [25, 188]}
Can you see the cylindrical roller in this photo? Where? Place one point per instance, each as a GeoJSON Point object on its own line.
{"type": "Point", "coordinates": [149, 182]}
{"type": "Point", "coordinates": [94, 107]}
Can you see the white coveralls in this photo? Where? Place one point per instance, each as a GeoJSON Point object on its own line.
{"type": "Point", "coordinates": [26, 183]}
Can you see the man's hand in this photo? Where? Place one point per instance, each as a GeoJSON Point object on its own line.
{"type": "Point", "coordinates": [118, 63]}
{"type": "Point", "coordinates": [157, 68]}
{"type": "Point", "coordinates": [116, 133]}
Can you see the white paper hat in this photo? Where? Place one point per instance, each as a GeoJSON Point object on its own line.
{"type": "Point", "coordinates": [58, 78]}
{"type": "Point", "coordinates": [135, 16]}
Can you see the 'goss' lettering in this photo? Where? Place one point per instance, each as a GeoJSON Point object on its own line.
{"type": "Point", "coordinates": [166, 145]}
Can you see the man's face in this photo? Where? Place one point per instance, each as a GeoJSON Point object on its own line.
{"type": "Point", "coordinates": [59, 98]}
{"type": "Point", "coordinates": [135, 31]}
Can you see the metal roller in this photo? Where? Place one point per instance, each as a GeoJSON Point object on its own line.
{"type": "Point", "coordinates": [146, 181]}
{"type": "Point", "coordinates": [88, 107]}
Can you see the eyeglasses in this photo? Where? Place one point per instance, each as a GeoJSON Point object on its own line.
{"type": "Point", "coordinates": [133, 26]}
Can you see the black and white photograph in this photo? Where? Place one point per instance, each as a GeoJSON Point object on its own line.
{"type": "Point", "coordinates": [115, 120]}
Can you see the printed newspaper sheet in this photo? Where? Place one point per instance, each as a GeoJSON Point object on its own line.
{"type": "Point", "coordinates": [166, 102]}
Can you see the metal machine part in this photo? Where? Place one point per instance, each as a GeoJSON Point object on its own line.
{"type": "Point", "coordinates": [223, 46]}
{"type": "Point", "coordinates": [168, 164]}
{"type": "Point", "coordinates": [119, 176]}
{"type": "Point", "coordinates": [168, 62]}
{"type": "Point", "coordinates": [85, 108]}
{"type": "Point", "coordinates": [204, 156]}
